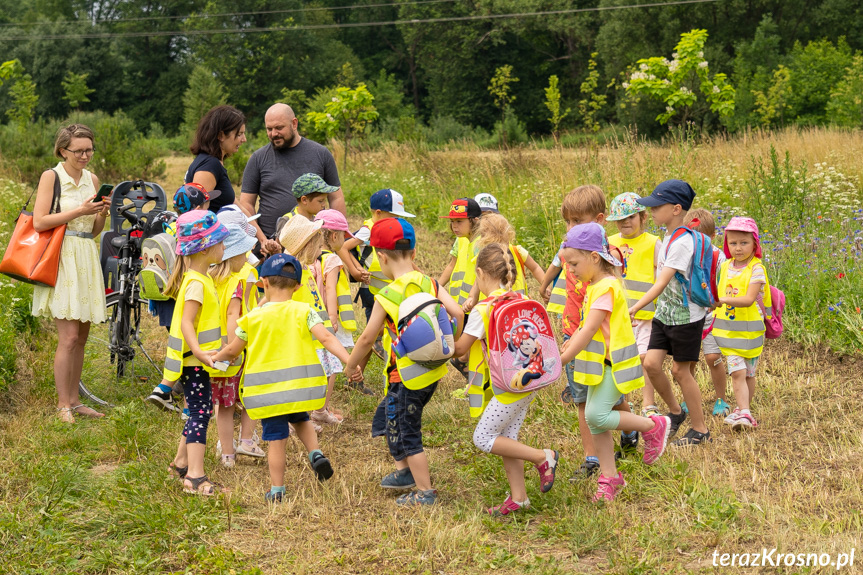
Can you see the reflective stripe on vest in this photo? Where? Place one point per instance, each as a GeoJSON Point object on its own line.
{"type": "Point", "coordinates": [225, 291]}
{"type": "Point", "coordinates": [638, 270]}
{"type": "Point", "coordinates": [275, 382]}
{"type": "Point", "coordinates": [625, 362]}
{"type": "Point", "coordinates": [210, 328]}
{"type": "Point", "coordinates": [378, 280]}
{"type": "Point", "coordinates": [464, 273]}
{"type": "Point", "coordinates": [307, 292]}
{"type": "Point", "coordinates": [740, 330]}
{"type": "Point", "coordinates": [557, 302]}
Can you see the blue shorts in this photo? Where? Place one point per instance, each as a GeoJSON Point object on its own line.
{"type": "Point", "coordinates": [578, 390]}
{"type": "Point", "coordinates": [399, 417]}
{"type": "Point", "coordinates": [276, 428]}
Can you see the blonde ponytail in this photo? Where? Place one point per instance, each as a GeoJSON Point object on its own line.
{"type": "Point", "coordinates": [495, 229]}
{"type": "Point", "coordinates": [496, 261]}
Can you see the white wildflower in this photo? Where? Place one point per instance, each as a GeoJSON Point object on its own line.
{"type": "Point", "coordinates": [669, 109]}
{"type": "Point", "coordinates": [335, 99]}
{"type": "Point", "coordinates": [715, 89]}
{"type": "Point", "coordinates": [702, 64]}
{"type": "Point", "coordinates": [701, 54]}
{"type": "Point", "coordinates": [684, 90]}
{"type": "Point", "coordinates": [625, 85]}
{"type": "Point", "coordinates": [643, 67]}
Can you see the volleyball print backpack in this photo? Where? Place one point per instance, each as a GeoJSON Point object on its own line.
{"type": "Point", "coordinates": [519, 346]}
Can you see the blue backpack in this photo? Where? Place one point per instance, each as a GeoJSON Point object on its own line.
{"type": "Point", "coordinates": [702, 286]}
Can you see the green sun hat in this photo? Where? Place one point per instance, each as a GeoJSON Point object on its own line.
{"type": "Point", "coordinates": [623, 206]}
{"type": "Point", "coordinates": [311, 184]}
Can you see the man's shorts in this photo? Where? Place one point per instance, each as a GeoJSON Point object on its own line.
{"type": "Point", "coordinates": [276, 427]}
{"type": "Point", "coordinates": [682, 342]}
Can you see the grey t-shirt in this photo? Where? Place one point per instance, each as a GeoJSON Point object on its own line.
{"type": "Point", "coordinates": [270, 174]}
{"type": "Point", "coordinates": [669, 305]}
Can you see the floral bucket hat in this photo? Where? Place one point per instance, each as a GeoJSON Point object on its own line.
{"type": "Point", "coordinates": [624, 205]}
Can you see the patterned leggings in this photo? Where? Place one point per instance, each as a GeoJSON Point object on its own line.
{"type": "Point", "coordinates": [199, 396]}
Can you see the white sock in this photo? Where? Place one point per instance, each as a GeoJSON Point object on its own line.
{"type": "Point", "coordinates": [746, 411]}
{"type": "Point", "coordinates": [549, 457]}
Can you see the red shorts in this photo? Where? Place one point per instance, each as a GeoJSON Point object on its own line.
{"type": "Point", "coordinates": [226, 390]}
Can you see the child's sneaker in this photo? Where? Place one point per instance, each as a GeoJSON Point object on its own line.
{"type": "Point", "coordinates": [184, 415]}
{"type": "Point", "coordinates": [720, 408]}
{"type": "Point", "coordinates": [566, 395]}
{"type": "Point", "coordinates": [732, 417]}
{"type": "Point", "coordinates": [360, 386]}
{"type": "Point", "coordinates": [684, 408]}
{"type": "Point", "coordinates": [399, 479]}
{"type": "Point", "coordinates": [324, 415]}
{"type": "Point", "coordinates": [547, 470]}
{"type": "Point", "coordinates": [676, 421]}
{"type": "Point", "coordinates": [628, 441]}
{"type": "Point", "coordinates": [585, 470]}
{"type": "Point", "coordinates": [649, 410]}
{"type": "Point", "coordinates": [418, 497]}
{"type": "Point", "coordinates": [249, 448]}
{"type": "Point", "coordinates": [162, 400]}
{"type": "Point", "coordinates": [321, 466]}
{"type": "Point", "coordinates": [608, 487]}
{"type": "Point", "coordinates": [744, 421]}
{"type": "Point", "coordinates": [656, 439]}
{"type": "Point", "coordinates": [508, 506]}
{"type": "Point", "coordinates": [273, 497]}
{"type": "Point", "coordinates": [692, 439]}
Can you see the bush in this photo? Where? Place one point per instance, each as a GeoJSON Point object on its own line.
{"type": "Point", "coordinates": [123, 153]}
{"type": "Point", "coordinates": [446, 129]}
{"type": "Point", "coordinates": [514, 129]}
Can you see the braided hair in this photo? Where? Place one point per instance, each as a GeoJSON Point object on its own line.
{"type": "Point", "coordinates": [496, 261]}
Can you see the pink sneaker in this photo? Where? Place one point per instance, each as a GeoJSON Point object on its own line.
{"type": "Point", "coordinates": [325, 416]}
{"type": "Point", "coordinates": [547, 470]}
{"type": "Point", "coordinates": [507, 507]}
{"type": "Point", "coordinates": [608, 488]}
{"type": "Point", "coordinates": [656, 439]}
{"type": "Point", "coordinates": [744, 421]}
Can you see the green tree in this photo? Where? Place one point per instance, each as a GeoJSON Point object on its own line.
{"type": "Point", "coordinates": [204, 92]}
{"type": "Point", "coordinates": [296, 99]}
{"type": "Point", "coordinates": [552, 102]}
{"type": "Point", "coordinates": [24, 100]}
{"type": "Point", "coordinates": [500, 89]}
{"type": "Point", "coordinates": [846, 101]}
{"type": "Point", "coordinates": [592, 103]}
{"type": "Point", "coordinates": [347, 114]}
{"type": "Point", "coordinates": [75, 86]}
{"type": "Point", "coordinates": [675, 82]}
{"type": "Point", "coordinates": [10, 69]}
{"type": "Point", "coordinates": [815, 70]}
{"type": "Point", "coordinates": [772, 105]}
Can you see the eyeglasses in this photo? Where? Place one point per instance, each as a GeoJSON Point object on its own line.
{"type": "Point", "coordinates": [81, 153]}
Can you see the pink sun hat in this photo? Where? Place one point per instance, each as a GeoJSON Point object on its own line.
{"type": "Point", "coordinates": [334, 220]}
{"type": "Point", "coordinates": [742, 224]}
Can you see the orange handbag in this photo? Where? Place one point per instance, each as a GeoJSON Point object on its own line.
{"type": "Point", "coordinates": [31, 256]}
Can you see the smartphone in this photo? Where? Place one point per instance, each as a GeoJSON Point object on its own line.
{"type": "Point", "coordinates": [104, 191]}
{"type": "Point", "coordinates": [221, 365]}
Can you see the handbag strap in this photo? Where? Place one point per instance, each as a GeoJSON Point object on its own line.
{"type": "Point", "coordinates": [55, 202]}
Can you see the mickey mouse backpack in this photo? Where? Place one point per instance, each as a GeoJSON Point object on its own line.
{"type": "Point", "coordinates": [519, 346]}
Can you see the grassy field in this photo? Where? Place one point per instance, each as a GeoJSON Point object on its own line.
{"type": "Point", "coordinates": [94, 498]}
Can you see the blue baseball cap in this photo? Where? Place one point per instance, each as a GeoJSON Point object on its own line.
{"type": "Point", "coordinates": [388, 200]}
{"type": "Point", "coordinates": [275, 266]}
{"type": "Point", "coordinates": [388, 232]}
{"type": "Point", "coordinates": [670, 192]}
{"type": "Point", "coordinates": [192, 195]}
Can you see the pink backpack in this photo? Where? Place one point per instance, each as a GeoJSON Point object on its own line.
{"type": "Point", "coordinates": [774, 324]}
{"type": "Point", "coordinates": [519, 346]}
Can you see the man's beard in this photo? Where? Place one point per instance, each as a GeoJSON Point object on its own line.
{"type": "Point", "coordinates": [284, 142]}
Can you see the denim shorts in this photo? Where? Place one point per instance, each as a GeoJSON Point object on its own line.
{"type": "Point", "coordinates": [399, 418]}
{"type": "Point", "coordinates": [276, 428]}
{"type": "Point", "coordinates": [578, 390]}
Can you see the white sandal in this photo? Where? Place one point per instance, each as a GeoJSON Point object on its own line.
{"type": "Point", "coordinates": [250, 448]}
{"type": "Point", "coordinates": [65, 414]}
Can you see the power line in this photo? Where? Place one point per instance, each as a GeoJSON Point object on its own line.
{"type": "Point", "coordinates": [353, 24]}
{"type": "Point", "coordinates": [226, 14]}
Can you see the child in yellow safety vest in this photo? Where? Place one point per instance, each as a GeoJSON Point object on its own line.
{"type": "Point", "coordinates": [640, 251]}
{"type": "Point", "coordinates": [230, 285]}
{"type": "Point", "coordinates": [410, 385]}
{"type": "Point", "coordinates": [606, 355]}
{"type": "Point", "coordinates": [196, 334]}
{"type": "Point", "coordinates": [464, 215]}
{"type": "Point", "coordinates": [739, 325]}
{"type": "Point", "coordinates": [337, 288]}
{"type": "Point", "coordinates": [302, 239]}
{"type": "Point", "coordinates": [502, 412]}
{"type": "Point", "coordinates": [280, 387]}
{"type": "Point", "coordinates": [496, 229]}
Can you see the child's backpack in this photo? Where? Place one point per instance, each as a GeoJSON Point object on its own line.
{"type": "Point", "coordinates": [424, 329]}
{"type": "Point", "coordinates": [701, 288]}
{"type": "Point", "coordinates": [774, 323]}
{"type": "Point", "coordinates": [158, 256]}
{"type": "Point", "coordinates": [519, 346]}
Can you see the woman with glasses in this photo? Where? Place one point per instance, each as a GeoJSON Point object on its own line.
{"type": "Point", "coordinates": [220, 134]}
{"type": "Point", "coordinates": [78, 299]}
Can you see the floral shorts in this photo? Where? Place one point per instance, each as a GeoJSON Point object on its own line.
{"type": "Point", "coordinates": [226, 390]}
{"type": "Point", "coordinates": [737, 363]}
{"type": "Point", "coordinates": [331, 363]}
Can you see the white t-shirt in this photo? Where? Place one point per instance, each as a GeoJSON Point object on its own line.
{"type": "Point", "coordinates": [669, 305]}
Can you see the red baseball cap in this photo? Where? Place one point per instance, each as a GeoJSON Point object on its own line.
{"type": "Point", "coordinates": [387, 233]}
{"type": "Point", "coordinates": [464, 208]}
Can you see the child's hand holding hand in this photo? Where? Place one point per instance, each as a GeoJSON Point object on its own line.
{"type": "Point", "coordinates": [205, 357]}
{"type": "Point", "coordinates": [366, 276]}
{"type": "Point", "coordinates": [357, 375]}
{"type": "Point", "coordinates": [468, 304]}
{"type": "Point", "coordinates": [546, 295]}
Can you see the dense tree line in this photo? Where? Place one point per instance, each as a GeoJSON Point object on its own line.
{"type": "Point", "coordinates": [784, 57]}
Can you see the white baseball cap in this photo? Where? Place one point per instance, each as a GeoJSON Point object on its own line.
{"type": "Point", "coordinates": [487, 202]}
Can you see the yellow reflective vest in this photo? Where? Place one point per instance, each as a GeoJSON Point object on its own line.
{"type": "Point", "coordinates": [225, 290]}
{"type": "Point", "coordinates": [276, 382]}
{"type": "Point", "coordinates": [347, 319]}
{"type": "Point", "coordinates": [210, 328]}
{"type": "Point", "coordinates": [378, 280]}
{"type": "Point", "coordinates": [638, 272]}
{"type": "Point", "coordinates": [252, 291]}
{"type": "Point", "coordinates": [625, 363]}
{"type": "Point", "coordinates": [413, 375]}
{"type": "Point", "coordinates": [307, 292]}
{"type": "Point", "coordinates": [464, 273]}
{"type": "Point", "coordinates": [557, 302]}
{"type": "Point", "coordinates": [740, 330]}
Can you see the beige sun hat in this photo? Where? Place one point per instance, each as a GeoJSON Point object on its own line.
{"type": "Point", "coordinates": [297, 233]}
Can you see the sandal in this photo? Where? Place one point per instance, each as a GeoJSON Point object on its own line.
{"type": "Point", "coordinates": [64, 414]}
{"type": "Point", "coordinates": [92, 412]}
{"type": "Point", "coordinates": [176, 472]}
{"type": "Point", "coordinates": [249, 448]}
{"type": "Point", "coordinates": [202, 486]}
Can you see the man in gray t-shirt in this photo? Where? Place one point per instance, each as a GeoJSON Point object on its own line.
{"type": "Point", "coordinates": [271, 171]}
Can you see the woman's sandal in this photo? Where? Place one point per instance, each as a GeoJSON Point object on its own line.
{"type": "Point", "coordinates": [198, 487]}
{"type": "Point", "coordinates": [93, 413]}
{"type": "Point", "coordinates": [176, 472]}
{"type": "Point", "coordinates": [64, 414]}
